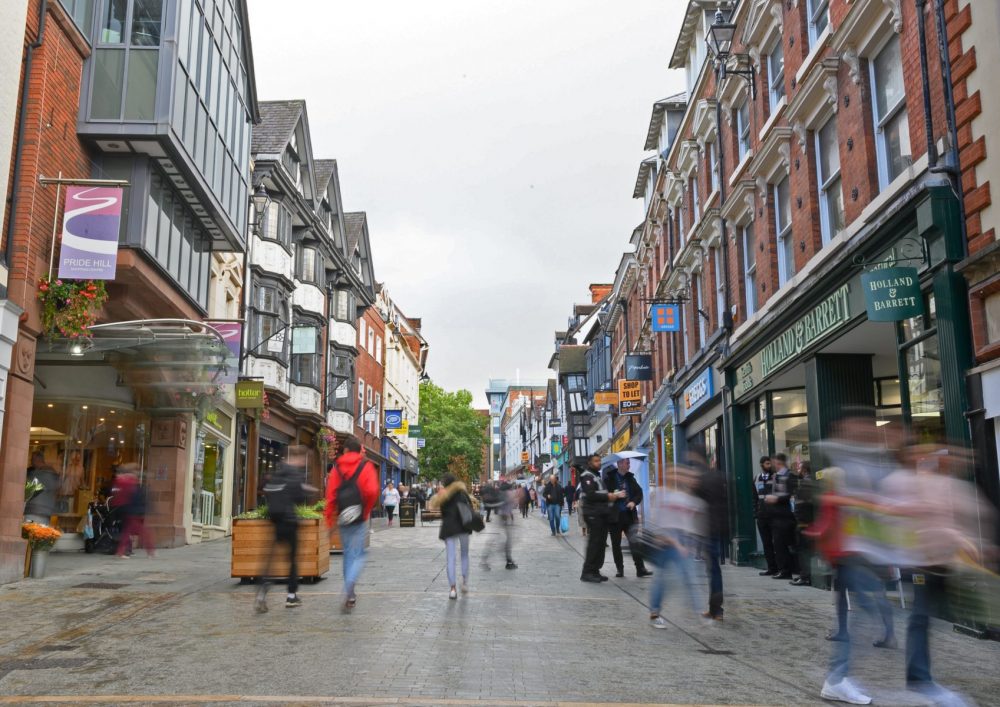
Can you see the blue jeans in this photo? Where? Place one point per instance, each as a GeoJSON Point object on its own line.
{"type": "Point", "coordinates": [451, 545]}
{"type": "Point", "coordinates": [353, 539]}
{"type": "Point", "coordinates": [664, 559]}
{"type": "Point", "coordinates": [555, 513]}
{"type": "Point", "coordinates": [857, 578]}
{"type": "Point", "coordinates": [918, 652]}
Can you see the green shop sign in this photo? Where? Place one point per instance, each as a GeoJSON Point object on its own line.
{"type": "Point", "coordinates": [892, 294]}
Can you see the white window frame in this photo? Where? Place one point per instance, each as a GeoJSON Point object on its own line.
{"type": "Point", "coordinates": [720, 285]}
{"type": "Point", "coordinates": [378, 350]}
{"type": "Point", "coordinates": [362, 332]}
{"type": "Point", "coordinates": [361, 401]}
{"type": "Point", "coordinates": [376, 428]}
{"type": "Point", "coordinates": [684, 331]}
{"type": "Point", "coordinates": [783, 233]}
{"type": "Point", "coordinates": [713, 166]}
{"type": "Point", "coordinates": [749, 267]}
{"type": "Point", "coordinates": [817, 9]}
{"type": "Point", "coordinates": [695, 199]}
{"type": "Point", "coordinates": [370, 348]}
{"type": "Point", "coordinates": [682, 227]}
{"type": "Point", "coordinates": [775, 79]}
{"type": "Point", "coordinates": [743, 128]}
{"type": "Point", "coordinates": [826, 185]}
{"type": "Point", "coordinates": [880, 122]}
{"type": "Point", "coordinates": [699, 289]}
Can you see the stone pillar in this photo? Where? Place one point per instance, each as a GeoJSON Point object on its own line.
{"type": "Point", "coordinates": [166, 480]}
{"type": "Point", "coordinates": [14, 456]}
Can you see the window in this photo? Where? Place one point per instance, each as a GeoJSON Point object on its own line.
{"type": "Point", "coordinates": [269, 326]}
{"type": "Point", "coordinates": [113, 22]}
{"type": "Point", "coordinates": [146, 16]}
{"type": "Point", "coordinates": [698, 306]}
{"type": "Point", "coordinates": [713, 166]}
{"type": "Point", "coordinates": [82, 12]}
{"type": "Point", "coordinates": [776, 74]}
{"type": "Point", "coordinates": [310, 265]}
{"type": "Point", "coordinates": [720, 286]}
{"type": "Point", "coordinates": [783, 227]}
{"type": "Point", "coordinates": [340, 381]}
{"type": "Point", "coordinates": [819, 18]}
{"type": "Point", "coordinates": [378, 414]}
{"type": "Point", "coordinates": [361, 399]}
{"type": "Point", "coordinates": [743, 128]}
{"type": "Point", "coordinates": [681, 226]}
{"type": "Point", "coordinates": [378, 350]}
{"type": "Point", "coordinates": [307, 367]}
{"type": "Point", "coordinates": [371, 342]}
{"type": "Point", "coordinates": [749, 267]}
{"type": "Point", "coordinates": [695, 199]}
{"type": "Point", "coordinates": [891, 121]}
{"type": "Point", "coordinates": [124, 77]}
{"type": "Point", "coordinates": [831, 195]}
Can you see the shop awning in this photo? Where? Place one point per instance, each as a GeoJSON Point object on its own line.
{"type": "Point", "coordinates": [173, 365]}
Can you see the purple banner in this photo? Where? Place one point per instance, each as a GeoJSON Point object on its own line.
{"type": "Point", "coordinates": [232, 332]}
{"type": "Point", "coordinates": [90, 233]}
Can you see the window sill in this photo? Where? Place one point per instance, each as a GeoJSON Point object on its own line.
{"type": "Point", "coordinates": [815, 51]}
{"type": "Point", "coordinates": [775, 116]}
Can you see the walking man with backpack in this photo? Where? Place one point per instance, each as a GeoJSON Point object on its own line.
{"type": "Point", "coordinates": [285, 490]}
{"type": "Point", "coordinates": [351, 493]}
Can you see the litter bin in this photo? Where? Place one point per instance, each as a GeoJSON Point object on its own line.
{"type": "Point", "coordinates": [408, 513]}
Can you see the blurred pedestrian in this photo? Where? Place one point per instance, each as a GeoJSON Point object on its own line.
{"type": "Point", "coordinates": [491, 498]}
{"type": "Point", "coordinates": [42, 506]}
{"type": "Point", "coordinates": [390, 499]}
{"type": "Point", "coordinates": [450, 498]}
{"type": "Point", "coordinates": [674, 523]}
{"type": "Point", "coordinates": [804, 508]}
{"type": "Point", "coordinates": [523, 500]}
{"type": "Point", "coordinates": [710, 487]}
{"type": "Point", "coordinates": [781, 517]}
{"type": "Point", "coordinates": [351, 493]}
{"type": "Point", "coordinates": [569, 493]}
{"type": "Point", "coordinates": [763, 486]}
{"type": "Point", "coordinates": [506, 502]}
{"type": "Point", "coordinates": [285, 490]}
{"type": "Point", "coordinates": [623, 517]}
{"type": "Point", "coordinates": [130, 500]}
{"type": "Point", "coordinates": [596, 509]}
{"type": "Point", "coordinates": [553, 495]}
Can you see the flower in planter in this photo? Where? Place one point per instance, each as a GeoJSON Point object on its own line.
{"type": "Point", "coordinates": [40, 537]}
{"type": "Point", "coordinates": [70, 308]}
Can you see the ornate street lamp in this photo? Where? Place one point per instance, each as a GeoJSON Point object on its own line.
{"type": "Point", "coordinates": [261, 202]}
{"type": "Point", "coordinates": [720, 44]}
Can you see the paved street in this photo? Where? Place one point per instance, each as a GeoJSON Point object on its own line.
{"type": "Point", "coordinates": [178, 630]}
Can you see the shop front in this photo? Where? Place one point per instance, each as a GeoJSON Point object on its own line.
{"type": "Point", "coordinates": [410, 468]}
{"type": "Point", "coordinates": [885, 335]}
{"type": "Point", "coordinates": [212, 477]}
{"type": "Point", "coordinates": [699, 417]}
{"type": "Point", "coordinates": [392, 467]}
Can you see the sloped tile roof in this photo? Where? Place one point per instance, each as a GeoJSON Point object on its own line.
{"type": "Point", "coordinates": [355, 222]}
{"type": "Point", "coordinates": [277, 121]}
{"type": "Point", "coordinates": [324, 172]}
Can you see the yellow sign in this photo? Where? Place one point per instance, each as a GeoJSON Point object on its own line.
{"type": "Point", "coordinates": [249, 395]}
{"type": "Point", "coordinates": [629, 397]}
{"type": "Point", "coordinates": [524, 457]}
{"type": "Point", "coordinates": [605, 397]}
{"type": "Point", "coordinates": [622, 441]}
{"type": "Point", "coordinates": [404, 429]}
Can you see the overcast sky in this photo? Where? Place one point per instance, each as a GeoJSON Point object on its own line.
{"type": "Point", "coordinates": [494, 145]}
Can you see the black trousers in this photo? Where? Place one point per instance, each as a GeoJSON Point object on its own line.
{"type": "Point", "coordinates": [767, 539]}
{"type": "Point", "coordinates": [616, 531]}
{"type": "Point", "coordinates": [285, 532]}
{"type": "Point", "coordinates": [597, 537]}
{"type": "Point", "coordinates": [783, 532]}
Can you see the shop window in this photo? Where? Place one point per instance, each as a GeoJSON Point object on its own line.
{"type": "Point", "coordinates": [749, 243]}
{"type": "Point", "coordinates": [789, 402]}
{"type": "Point", "coordinates": [783, 227]}
{"type": "Point", "coordinates": [915, 327]}
{"type": "Point", "coordinates": [207, 481]}
{"type": "Point", "coordinates": [831, 195]}
{"type": "Point", "coordinates": [776, 75]}
{"type": "Point", "coordinates": [892, 128]}
{"type": "Point", "coordinates": [743, 128]}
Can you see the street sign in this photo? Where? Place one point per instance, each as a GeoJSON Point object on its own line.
{"type": "Point", "coordinates": [415, 431]}
{"type": "Point", "coordinates": [421, 443]}
{"type": "Point", "coordinates": [665, 317]}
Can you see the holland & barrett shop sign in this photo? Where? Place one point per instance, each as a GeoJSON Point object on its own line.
{"type": "Point", "coordinates": [892, 294]}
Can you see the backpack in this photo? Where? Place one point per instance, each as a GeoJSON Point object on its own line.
{"type": "Point", "coordinates": [350, 510]}
{"type": "Point", "coordinates": [281, 495]}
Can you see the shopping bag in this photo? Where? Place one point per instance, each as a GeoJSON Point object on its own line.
{"type": "Point", "coordinates": [564, 524]}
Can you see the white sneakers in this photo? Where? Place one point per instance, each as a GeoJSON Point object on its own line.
{"type": "Point", "coordinates": [453, 594]}
{"type": "Point", "coordinates": [844, 691]}
{"type": "Point", "coordinates": [658, 622]}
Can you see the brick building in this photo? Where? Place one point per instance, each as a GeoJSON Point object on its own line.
{"type": "Point", "coordinates": [810, 164]}
{"type": "Point", "coordinates": [371, 383]}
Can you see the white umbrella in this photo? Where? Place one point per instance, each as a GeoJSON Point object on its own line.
{"type": "Point", "coordinates": [618, 456]}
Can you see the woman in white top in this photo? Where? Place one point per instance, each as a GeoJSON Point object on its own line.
{"type": "Point", "coordinates": [390, 499]}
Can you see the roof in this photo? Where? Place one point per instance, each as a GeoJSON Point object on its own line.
{"type": "Point", "coordinates": [646, 168]}
{"type": "Point", "coordinates": [660, 108]}
{"type": "Point", "coordinates": [355, 221]}
{"type": "Point", "coordinates": [325, 169]}
{"type": "Point", "coordinates": [277, 121]}
{"type": "Point", "coordinates": [572, 359]}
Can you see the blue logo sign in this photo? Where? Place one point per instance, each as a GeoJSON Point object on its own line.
{"type": "Point", "coordinates": [700, 390]}
{"type": "Point", "coordinates": [393, 419]}
{"type": "Point", "coordinates": [665, 317]}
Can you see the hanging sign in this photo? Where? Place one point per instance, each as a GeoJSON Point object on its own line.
{"type": "Point", "coordinates": [232, 334]}
{"type": "Point", "coordinates": [276, 344]}
{"type": "Point", "coordinates": [700, 390]}
{"type": "Point", "coordinates": [403, 430]}
{"type": "Point", "coordinates": [665, 317]}
{"type": "Point", "coordinates": [249, 395]}
{"type": "Point", "coordinates": [605, 397]}
{"type": "Point", "coordinates": [622, 440]}
{"type": "Point", "coordinates": [639, 367]}
{"type": "Point", "coordinates": [393, 419]}
{"type": "Point", "coordinates": [524, 457]}
{"type": "Point", "coordinates": [892, 294]}
{"type": "Point", "coordinates": [90, 233]}
{"type": "Point", "coordinates": [304, 340]}
{"type": "Point", "coordinates": [415, 430]}
{"type": "Point", "coordinates": [421, 443]}
{"type": "Point", "coordinates": [629, 397]}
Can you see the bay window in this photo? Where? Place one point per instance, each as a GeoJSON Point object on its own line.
{"type": "Point", "coordinates": [307, 366]}
{"type": "Point", "coordinates": [340, 381]}
{"type": "Point", "coordinates": [310, 265]}
{"type": "Point", "coordinates": [269, 306]}
{"type": "Point", "coordinates": [126, 57]}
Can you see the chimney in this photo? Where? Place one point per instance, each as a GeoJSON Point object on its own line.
{"type": "Point", "coordinates": [599, 292]}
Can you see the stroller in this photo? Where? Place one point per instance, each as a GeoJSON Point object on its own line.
{"type": "Point", "coordinates": [105, 524]}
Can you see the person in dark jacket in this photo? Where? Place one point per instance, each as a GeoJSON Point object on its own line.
{"type": "Point", "coordinates": [781, 516]}
{"type": "Point", "coordinates": [762, 487]}
{"type": "Point", "coordinates": [805, 513]}
{"type": "Point", "coordinates": [449, 497]}
{"type": "Point", "coordinates": [595, 506]}
{"type": "Point", "coordinates": [710, 487]}
{"type": "Point", "coordinates": [624, 515]}
{"type": "Point", "coordinates": [285, 490]}
{"type": "Point", "coordinates": [569, 493]}
{"type": "Point", "coordinates": [553, 494]}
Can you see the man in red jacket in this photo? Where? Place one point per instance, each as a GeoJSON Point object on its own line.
{"type": "Point", "coordinates": [351, 492]}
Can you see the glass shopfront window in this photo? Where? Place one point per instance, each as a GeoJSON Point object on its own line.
{"type": "Point", "coordinates": [779, 422]}
{"type": "Point", "coordinates": [208, 481]}
{"type": "Point", "coordinates": [923, 389]}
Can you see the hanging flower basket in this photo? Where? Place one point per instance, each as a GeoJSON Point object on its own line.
{"type": "Point", "coordinates": [70, 307]}
{"type": "Point", "coordinates": [325, 441]}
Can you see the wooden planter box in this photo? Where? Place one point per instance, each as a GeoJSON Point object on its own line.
{"type": "Point", "coordinates": [252, 540]}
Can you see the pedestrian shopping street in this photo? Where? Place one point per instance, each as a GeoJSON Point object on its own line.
{"type": "Point", "coordinates": [177, 630]}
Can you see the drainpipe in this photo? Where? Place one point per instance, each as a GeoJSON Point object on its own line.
{"type": "Point", "coordinates": [932, 156]}
{"type": "Point", "coordinates": [43, 11]}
